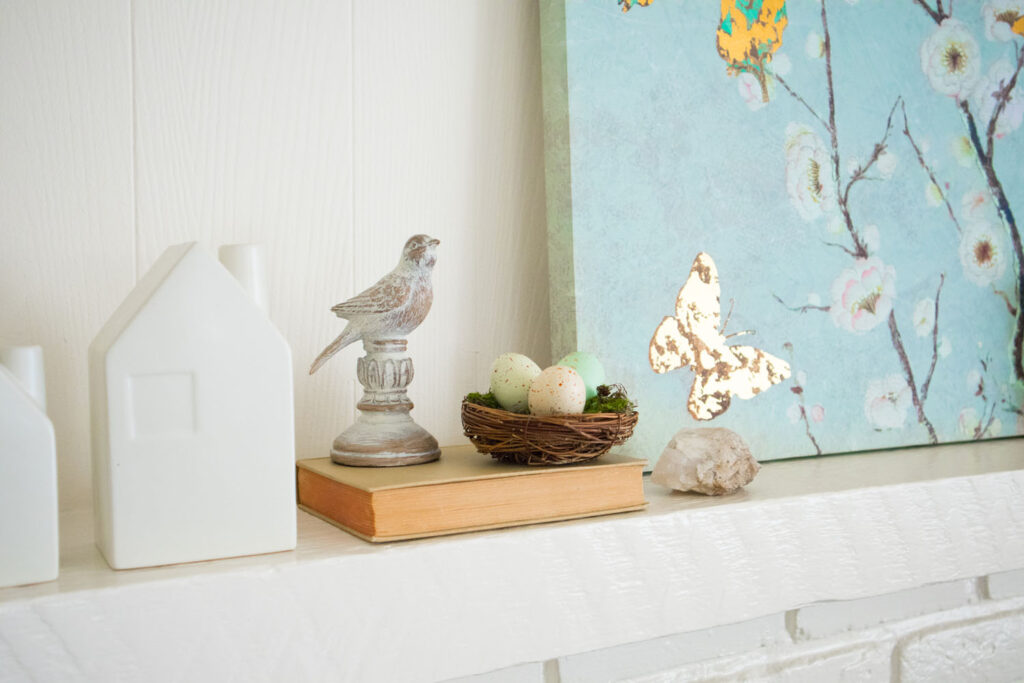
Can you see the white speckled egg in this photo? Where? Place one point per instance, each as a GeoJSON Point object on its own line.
{"type": "Point", "coordinates": [511, 377]}
{"type": "Point", "coordinates": [559, 390]}
{"type": "Point", "coordinates": [589, 367]}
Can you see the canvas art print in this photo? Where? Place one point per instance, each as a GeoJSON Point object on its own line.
{"type": "Point", "coordinates": [798, 220]}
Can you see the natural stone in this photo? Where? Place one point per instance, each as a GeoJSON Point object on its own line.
{"type": "Point", "coordinates": [713, 461]}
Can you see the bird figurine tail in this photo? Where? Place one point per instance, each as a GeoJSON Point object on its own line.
{"type": "Point", "coordinates": [343, 340]}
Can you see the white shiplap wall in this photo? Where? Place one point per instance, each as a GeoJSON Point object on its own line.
{"type": "Point", "coordinates": [329, 130]}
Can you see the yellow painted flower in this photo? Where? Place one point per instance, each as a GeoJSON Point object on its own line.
{"type": "Point", "coordinates": [628, 4]}
{"type": "Point", "coordinates": [749, 34]}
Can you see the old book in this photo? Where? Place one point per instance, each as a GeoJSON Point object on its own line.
{"type": "Point", "coordinates": [464, 491]}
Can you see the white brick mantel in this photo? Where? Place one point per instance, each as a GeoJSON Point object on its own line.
{"type": "Point", "coordinates": [689, 573]}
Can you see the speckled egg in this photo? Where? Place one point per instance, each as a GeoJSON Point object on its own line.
{"type": "Point", "coordinates": [559, 390]}
{"type": "Point", "coordinates": [588, 367]}
{"type": "Point", "coordinates": [511, 377]}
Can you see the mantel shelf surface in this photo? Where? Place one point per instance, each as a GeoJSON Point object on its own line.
{"type": "Point", "coordinates": [804, 531]}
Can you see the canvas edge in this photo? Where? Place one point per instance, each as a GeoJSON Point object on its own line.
{"type": "Point", "coordinates": [558, 177]}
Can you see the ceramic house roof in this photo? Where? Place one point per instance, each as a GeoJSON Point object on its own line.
{"type": "Point", "coordinates": [173, 259]}
{"type": "Point", "coordinates": [11, 387]}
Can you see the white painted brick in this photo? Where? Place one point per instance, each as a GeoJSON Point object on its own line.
{"type": "Point", "coordinates": [829, 618]}
{"type": "Point", "coordinates": [522, 673]}
{"type": "Point", "coordinates": [650, 656]}
{"type": "Point", "coordinates": [847, 658]}
{"type": "Point", "coordinates": [1006, 584]}
{"type": "Point", "coordinates": [988, 650]}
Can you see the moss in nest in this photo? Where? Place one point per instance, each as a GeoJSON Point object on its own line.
{"type": "Point", "coordinates": [486, 400]}
{"type": "Point", "coordinates": [609, 399]}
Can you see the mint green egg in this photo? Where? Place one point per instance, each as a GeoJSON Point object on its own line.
{"type": "Point", "coordinates": [588, 367]}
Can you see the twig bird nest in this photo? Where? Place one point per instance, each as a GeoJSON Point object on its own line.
{"type": "Point", "coordinates": [550, 439]}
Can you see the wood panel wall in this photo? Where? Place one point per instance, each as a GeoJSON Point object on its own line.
{"type": "Point", "coordinates": [329, 130]}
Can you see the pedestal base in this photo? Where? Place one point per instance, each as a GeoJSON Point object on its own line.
{"type": "Point", "coordinates": [384, 439]}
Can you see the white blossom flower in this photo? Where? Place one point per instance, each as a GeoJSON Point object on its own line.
{"type": "Point", "coordinates": [801, 379]}
{"type": "Point", "coordinates": [968, 424]}
{"type": "Point", "coordinates": [886, 402]}
{"type": "Point", "coordinates": [945, 347]}
{"type": "Point", "coordinates": [794, 412]}
{"type": "Point", "coordinates": [951, 60]}
{"type": "Point", "coordinates": [817, 412]}
{"type": "Point", "coordinates": [809, 180]}
{"type": "Point", "coordinates": [872, 238]}
{"type": "Point", "coordinates": [750, 90]}
{"type": "Point", "coordinates": [999, 18]}
{"type": "Point", "coordinates": [986, 101]}
{"type": "Point", "coordinates": [862, 296]}
{"type": "Point", "coordinates": [976, 206]}
{"type": "Point", "coordinates": [932, 194]}
{"type": "Point", "coordinates": [813, 299]}
{"type": "Point", "coordinates": [983, 254]}
{"type": "Point", "coordinates": [815, 45]}
{"type": "Point", "coordinates": [963, 150]}
{"type": "Point", "coordinates": [886, 164]}
{"type": "Point", "coordinates": [924, 317]}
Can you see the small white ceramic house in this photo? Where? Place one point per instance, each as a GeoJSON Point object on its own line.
{"type": "Point", "coordinates": [193, 440]}
{"type": "Point", "coordinates": [28, 486]}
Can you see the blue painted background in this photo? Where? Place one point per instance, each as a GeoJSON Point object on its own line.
{"type": "Point", "coordinates": [669, 160]}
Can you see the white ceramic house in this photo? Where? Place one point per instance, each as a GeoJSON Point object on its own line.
{"type": "Point", "coordinates": [193, 440]}
{"type": "Point", "coordinates": [28, 480]}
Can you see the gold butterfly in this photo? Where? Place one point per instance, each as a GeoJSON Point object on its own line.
{"type": "Point", "coordinates": [693, 338]}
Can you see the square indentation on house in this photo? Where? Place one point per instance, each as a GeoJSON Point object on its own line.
{"type": "Point", "coordinates": [162, 404]}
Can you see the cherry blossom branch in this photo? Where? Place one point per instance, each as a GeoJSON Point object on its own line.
{"type": "Point", "coordinates": [861, 250]}
{"type": "Point", "coordinates": [985, 153]}
{"type": "Point", "coordinates": [897, 342]}
{"type": "Point", "coordinates": [935, 341]}
{"type": "Point", "coordinates": [928, 169]}
{"type": "Point", "coordinates": [1002, 97]}
{"type": "Point", "coordinates": [986, 404]}
{"type": "Point", "coordinates": [1006, 213]}
{"type": "Point", "coordinates": [801, 309]}
{"type": "Point", "coordinates": [1006, 298]}
{"type": "Point", "coordinates": [849, 251]}
{"type": "Point", "coordinates": [807, 425]}
{"type": "Point", "coordinates": [802, 101]}
{"type": "Point", "coordinates": [936, 14]}
{"type": "Point", "coordinates": [980, 430]}
{"type": "Point", "coordinates": [799, 391]}
{"type": "Point", "coordinates": [861, 171]}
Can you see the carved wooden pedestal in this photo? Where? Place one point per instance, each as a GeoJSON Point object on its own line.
{"type": "Point", "coordinates": [384, 434]}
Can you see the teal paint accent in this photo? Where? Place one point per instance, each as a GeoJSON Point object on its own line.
{"type": "Point", "coordinates": [727, 23]}
{"type": "Point", "coordinates": [750, 9]}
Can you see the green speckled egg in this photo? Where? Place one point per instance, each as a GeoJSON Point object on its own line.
{"type": "Point", "coordinates": [588, 367]}
{"type": "Point", "coordinates": [511, 377]}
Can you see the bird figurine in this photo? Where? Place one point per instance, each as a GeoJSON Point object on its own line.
{"type": "Point", "coordinates": [393, 307]}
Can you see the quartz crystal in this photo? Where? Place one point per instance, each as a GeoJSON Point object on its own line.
{"type": "Point", "coordinates": [713, 461]}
